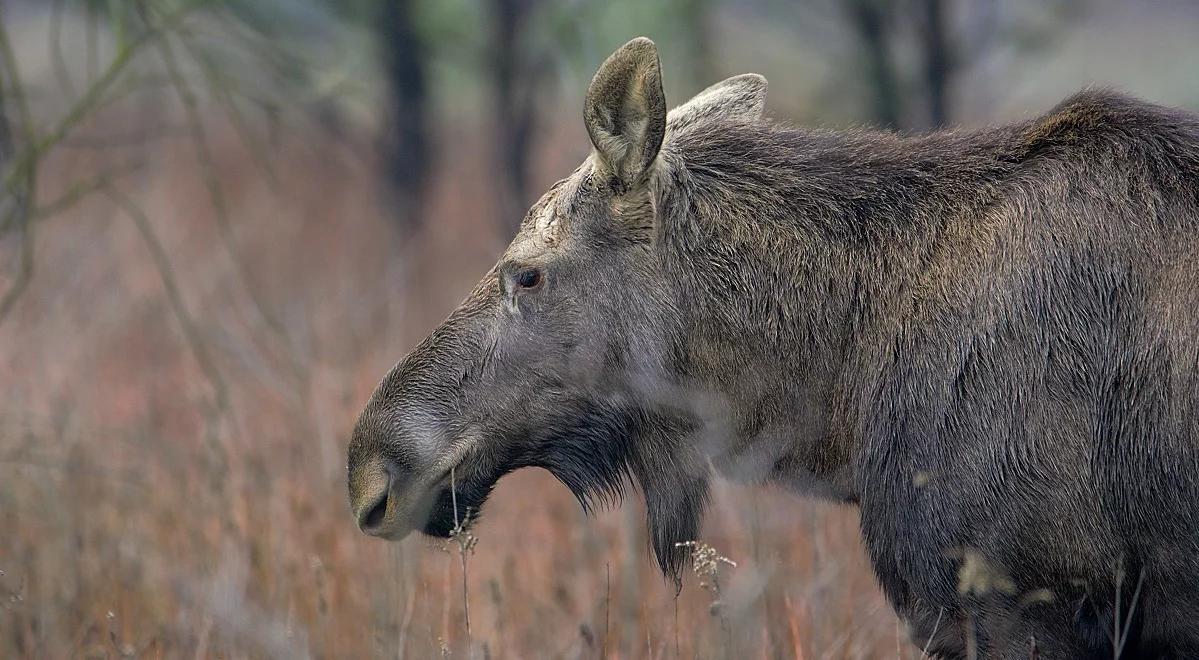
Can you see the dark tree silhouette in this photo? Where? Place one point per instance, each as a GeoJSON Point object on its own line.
{"type": "Point", "coordinates": [5, 133]}
{"type": "Point", "coordinates": [871, 21]}
{"type": "Point", "coordinates": [518, 79]}
{"type": "Point", "coordinates": [923, 102]}
{"type": "Point", "coordinates": [408, 156]}
{"type": "Point", "coordinates": [939, 60]}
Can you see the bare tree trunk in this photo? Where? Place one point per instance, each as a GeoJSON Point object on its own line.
{"type": "Point", "coordinates": [407, 157]}
{"type": "Point", "coordinates": [938, 61]}
{"type": "Point", "coordinates": [870, 20]}
{"type": "Point", "coordinates": [516, 83]}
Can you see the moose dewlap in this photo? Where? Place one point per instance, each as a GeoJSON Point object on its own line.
{"type": "Point", "coordinates": [988, 341]}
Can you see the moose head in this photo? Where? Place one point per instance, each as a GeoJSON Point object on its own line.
{"type": "Point", "coordinates": [574, 353]}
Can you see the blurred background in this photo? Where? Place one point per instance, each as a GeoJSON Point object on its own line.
{"type": "Point", "coordinates": [222, 221]}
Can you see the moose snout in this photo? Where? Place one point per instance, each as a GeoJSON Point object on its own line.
{"type": "Point", "coordinates": [371, 495]}
{"type": "Point", "coordinates": [373, 509]}
{"type": "Point", "coordinates": [388, 501]}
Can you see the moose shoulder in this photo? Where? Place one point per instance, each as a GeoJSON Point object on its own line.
{"type": "Point", "coordinates": [987, 340]}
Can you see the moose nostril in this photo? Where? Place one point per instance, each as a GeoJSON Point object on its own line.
{"type": "Point", "coordinates": [372, 516]}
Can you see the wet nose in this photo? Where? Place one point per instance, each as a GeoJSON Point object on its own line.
{"type": "Point", "coordinates": [370, 516]}
{"type": "Point", "coordinates": [371, 498]}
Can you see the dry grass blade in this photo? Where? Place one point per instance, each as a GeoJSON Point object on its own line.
{"type": "Point", "coordinates": [706, 562]}
{"type": "Point", "coordinates": [466, 542]}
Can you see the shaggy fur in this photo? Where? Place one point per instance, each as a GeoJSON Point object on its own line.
{"type": "Point", "coordinates": [988, 341]}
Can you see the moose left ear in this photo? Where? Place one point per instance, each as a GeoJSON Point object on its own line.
{"type": "Point", "coordinates": [625, 112]}
{"type": "Point", "coordinates": [740, 98]}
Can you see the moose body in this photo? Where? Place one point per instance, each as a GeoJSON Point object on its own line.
{"type": "Point", "coordinates": [988, 341]}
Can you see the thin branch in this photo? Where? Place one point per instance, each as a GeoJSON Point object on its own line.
{"type": "Point", "coordinates": [24, 274]}
{"type": "Point", "coordinates": [936, 624]}
{"type": "Point", "coordinates": [187, 324]}
{"type": "Point", "coordinates": [208, 168]}
{"type": "Point", "coordinates": [17, 86]}
{"type": "Point", "coordinates": [21, 179]}
{"type": "Point", "coordinates": [465, 541]}
{"type": "Point", "coordinates": [22, 196]}
{"type": "Point", "coordinates": [147, 136]}
{"type": "Point", "coordinates": [220, 87]}
{"type": "Point", "coordinates": [95, 92]}
{"type": "Point", "coordinates": [203, 152]}
{"type": "Point", "coordinates": [1122, 639]}
{"type": "Point", "coordinates": [56, 56]}
{"type": "Point", "coordinates": [607, 598]}
{"type": "Point", "coordinates": [91, 42]}
{"type": "Point", "coordinates": [80, 190]}
{"type": "Point", "coordinates": [280, 66]}
{"type": "Point", "coordinates": [136, 84]}
{"type": "Point", "coordinates": [166, 272]}
{"type": "Point", "coordinates": [274, 52]}
{"type": "Point", "coordinates": [676, 625]}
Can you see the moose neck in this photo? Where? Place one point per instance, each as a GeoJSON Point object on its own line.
{"type": "Point", "coordinates": [790, 250]}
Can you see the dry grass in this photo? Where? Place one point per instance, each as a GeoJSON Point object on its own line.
{"type": "Point", "coordinates": [139, 518]}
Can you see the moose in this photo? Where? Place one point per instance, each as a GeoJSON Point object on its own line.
{"type": "Point", "coordinates": [986, 340]}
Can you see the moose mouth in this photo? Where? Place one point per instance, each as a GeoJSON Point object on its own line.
{"type": "Point", "coordinates": [454, 500]}
{"type": "Point", "coordinates": [457, 502]}
{"type": "Point", "coordinates": [435, 507]}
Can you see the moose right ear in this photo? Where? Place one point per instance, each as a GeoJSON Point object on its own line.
{"type": "Point", "coordinates": [740, 98]}
{"type": "Point", "coordinates": [625, 113]}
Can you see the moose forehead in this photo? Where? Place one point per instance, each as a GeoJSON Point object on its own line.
{"type": "Point", "coordinates": [547, 222]}
{"type": "Point", "coordinates": [541, 228]}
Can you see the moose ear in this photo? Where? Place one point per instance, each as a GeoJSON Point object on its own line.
{"type": "Point", "coordinates": [740, 98]}
{"type": "Point", "coordinates": [625, 112]}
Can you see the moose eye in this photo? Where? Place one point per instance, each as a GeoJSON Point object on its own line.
{"type": "Point", "coordinates": [528, 278]}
